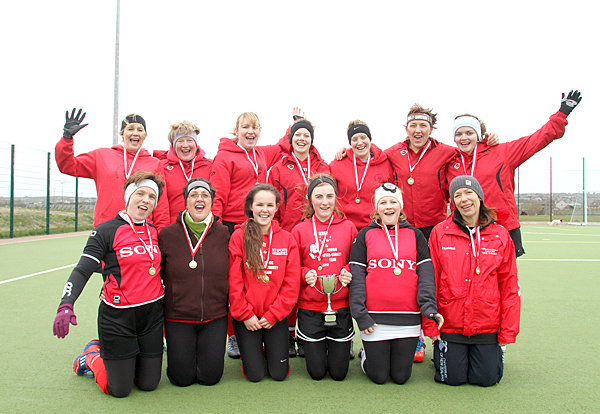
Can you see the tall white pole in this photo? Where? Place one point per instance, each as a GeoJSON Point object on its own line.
{"type": "Point", "coordinates": [584, 196]}
{"type": "Point", "coordinates": [116, 91]}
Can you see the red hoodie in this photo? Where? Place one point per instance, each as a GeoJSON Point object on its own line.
{"type": "Point", "coordinates": [249, 296]}
{"type": "Point", "coordinates": [176, 179]}
{"type": "Point", "coordinates": [287, 179]}
{"type": "Point", "coordinates": [380, 171]}
{"type": "Point", "coordinates": [495, 167]}
{"type": "Point", "coordinates": [233, 175]}
{"type": "Point", "coordinates": [335, 257]}
{"type": "Point", "coordinates": [105, 167]}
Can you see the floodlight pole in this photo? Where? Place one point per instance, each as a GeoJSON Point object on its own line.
{"type": "Point", "coordinates": [116, 91]}
{"type": "Point", "coordinates": [584, 196]}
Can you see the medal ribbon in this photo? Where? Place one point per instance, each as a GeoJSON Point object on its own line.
{"type": "Point", "coordinates": [389, 239]}
{"type": "Point", "coordinates": [410, 167]}
{"type": "Point", "coordinates": [304, 177]}
{"type": "Point", "coordinates": [255, 163]}
{"type": "Point", "coordinates": [477, 250]}
{"type": "Point", "coordinates": [194, 249]}
{"type": "Point", "coordinates": [266, 262]}
{"type": "Point", "coordinates": [472, 164]}
{"type": "Point", "coordinates": [150, 250]}
{"type": "Point", "coordinates": [128, 173]}
{"type": "Point", "coordinates": [191, 172]}
{"type": "Point", "coordinates": [359, 186]}
{"type": "Point", "coordinates": [320, 247]}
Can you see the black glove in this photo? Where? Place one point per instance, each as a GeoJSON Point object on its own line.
{"type": "Point", "coordinates": [72, 124]}
{"type": "Point", "coordinates": [570, 102]}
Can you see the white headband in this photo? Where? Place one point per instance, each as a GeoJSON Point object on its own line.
{"type": "Point", "coordinates": [468, 121]}
{"type": "Point", "coordinates": [144, 183]}
{"type": "Point", "coordinates": [193, 135]}
{"type": "Point", "coordinates": [388, 190]}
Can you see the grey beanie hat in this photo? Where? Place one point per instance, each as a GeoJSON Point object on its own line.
{"type": "Point", "coordinates": [465, 181]}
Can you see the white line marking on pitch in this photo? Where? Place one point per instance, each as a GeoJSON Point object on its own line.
{"type": "Point", "coordinates": [36, 274]}
{"type": "Point", "coordinates": [559, 260]}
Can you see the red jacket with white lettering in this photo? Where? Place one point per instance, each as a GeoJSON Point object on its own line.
{"type": "Point", "coordinates": [233, 175]}
{"type": "Point", "coordinates": [274, 299]}
{"type": "Point", "coordinates": [426, 200]}
{"type": "Point", "coordinates": [495, 167]}
{"type": "Point", "coordinates": [287, 179]}
{"type": "Point", "coordinates": [175, 178]}
{"type": "Point", "coordinates": [472, 303]}
{"type": "Point", "coordinates": [335, 256]}
{"type": "Point", "coordinates": [380, 171]}
{"type": "Point", "coordinates": [105, 166]}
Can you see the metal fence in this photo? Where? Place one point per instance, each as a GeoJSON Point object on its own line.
{"type": "Point", "coordinates": [35, 198]}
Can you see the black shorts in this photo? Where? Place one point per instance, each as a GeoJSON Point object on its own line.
{"type": "Point", "coordinates": [310, 328]}
{"type": "Point", "coordinates": [127, 332]}
{"type": "Point", "coordinates": [515, 235]}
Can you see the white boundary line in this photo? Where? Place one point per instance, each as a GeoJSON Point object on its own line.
{"type": "Point", "coordinates": [558, 260]}
{"type": "Point", "coordinates": [36, 274]}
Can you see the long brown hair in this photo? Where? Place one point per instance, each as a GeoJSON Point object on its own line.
{"type": "Point", "coordinates": [253, 237]}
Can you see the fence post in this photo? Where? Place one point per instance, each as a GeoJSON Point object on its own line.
{"type": "Point", "coordinates": [12, 192]}
{"type": "Point", "coordinates": [519, 192]}
{"type": "Point", "coordinates": [76, 202]}
{"type": "Point", "coordinates": [584, 195]}
{"type": "Point", "coordinates": [48, 196]}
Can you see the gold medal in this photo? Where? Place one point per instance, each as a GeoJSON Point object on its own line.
{"type": "Point", "coordinates": [152, 271]}
{"type": "Point", "coordinates": [193, 264]}
{"type": "Point", "coordinates": [397, 271]}
{"type": "Point", "coordinates": [357, 200]}
{"type": "Point", "coordinates": [478, 270]}
{"type": "Point", "coordinates": [411, 181]}
{"type": "Point", "coordinates": [320, 268]}
{"type": "Point", "coordinates": [265, 278]}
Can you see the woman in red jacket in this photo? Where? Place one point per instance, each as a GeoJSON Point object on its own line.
{"type": "Point", "coordinates": [324, 239]}
{"type": "Point", "coordinates": [264, 283]}
{"type": "Point", "coordinates": [360, 173]}
{"type": "Point", "coordinates": [183, 161]}
{"type": "Point", "coordinates": [495, 167]}
{"type": "Point", "coordinates": [477, 290]}
{"type": "Point", "coordinates": [194, 272]}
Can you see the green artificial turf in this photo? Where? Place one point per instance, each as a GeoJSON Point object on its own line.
{"type": "Point", "coordinates": [553, 367]}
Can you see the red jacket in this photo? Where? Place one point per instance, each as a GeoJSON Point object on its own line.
{"type": "Point", "coordinates": [233, 176]}
{"type": "Point", "coordinates": [380, 171]}
{"type": "Point", "coordinates": [175, 179]}
{"type": "Point", "coordinates": [287, 179]}
{"type": "Point", "coordinates": [249, 296]}
{"type": "Point", "coordinates": [495, 167]}
{"type": "Point", "coordinates": [335, 257]}
{"type": "Point", "coordinates": [474, 303]}
{"type": "Point", "coordinates": [105, 167]}
{"type": "Point", "coordinates": [426, 200]}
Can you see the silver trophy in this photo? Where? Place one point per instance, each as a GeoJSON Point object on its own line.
{"type": "Point", "coordinates": [328, 287]}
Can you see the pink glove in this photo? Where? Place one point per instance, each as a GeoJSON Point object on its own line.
{"type": "Point", "coordinates": [64, 316]}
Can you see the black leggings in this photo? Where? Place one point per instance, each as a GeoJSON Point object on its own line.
{"type": "Point", "coordinates": [142, 371]}
{"type": "Point", "coordinates": [276, 345]}
{"type": "Point", "coordinates": [195, 352]}
{"type": "Point", "coordinates": [389, 358]}
{"type": "Point", "coordinates": [327, 355]}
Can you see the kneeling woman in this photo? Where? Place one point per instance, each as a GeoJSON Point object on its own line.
{"type": "Point", "coordinates": [477, 290]}
{"type": "Point", "coordinates": [324, 238]}
{"type": "Point", "coordinates": [392, 285]}
{"type": "Point", "coordinates": [194, 271]}
{"type": "Point", "coordinates": [130, 316]}
{"type": "Point", "coordinates": [264, 282]}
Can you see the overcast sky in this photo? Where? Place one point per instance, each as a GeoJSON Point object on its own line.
{"type": "Point", "coordinates": [507, 62]}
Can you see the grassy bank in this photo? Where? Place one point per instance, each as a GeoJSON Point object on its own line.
{"type": "Point", "coordinates": [32, 221]}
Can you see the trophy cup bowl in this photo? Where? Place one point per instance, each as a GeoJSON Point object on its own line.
{"type": "Point", "coordinates": [328, 284]}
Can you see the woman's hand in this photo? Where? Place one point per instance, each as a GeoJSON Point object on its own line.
{"type": "Point", "coordinates": [492, 138]}
{"type": "Point", "coordinates": [439, 319]}
{"type": "Point", "coordinates": [345, 277]}
{"type": "Point", "coordinates": [264, 323]}
{"type": "Point", "coordinates": [252, 324]}
{"type": "Point", "coordinates": [369, 330]}
{"type": "Point", "coordinates": [340, 154]}
{"type": "Point", "coordinates": [435, 338]}
{"type": "Point", "coordinates": [297, 113]}
{"type": "Point", "coordinates": [311, 277]}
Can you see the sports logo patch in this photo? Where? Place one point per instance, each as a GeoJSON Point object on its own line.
{"type": "Point", "coordinates": [279, 252]}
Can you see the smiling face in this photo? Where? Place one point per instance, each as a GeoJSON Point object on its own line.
{"type": "Point", "coordinates": [323, 201]}
{"type": "Point", "coordinates": [141, 203]}
{"type": "Point", "coordinates": [263, 209]}
{"type": "Point", "coordinates": [361, 146]}
{"type": "Point", "coordinates": [389, 210]}
{"type": "Point", "coordinates": [198, 204]}
{"type": "Point", "coordinates": [418, 131]}
{"type": "Point", "coordinates": [185, 148]}
{"type": "Point", "coordinates": [134, 136]}
{"type": "Point", "coordinates": [465, 139]}
{"type": "Point", "coordinates": [467, 203]}
{"type": "Point", "coordinates": [301, 142]}
{"type": "Point", "coordinates": [247, 133]}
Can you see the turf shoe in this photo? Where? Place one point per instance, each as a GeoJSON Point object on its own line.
{"type": "Point", "coordinates": [233, 350]}
{"type": "Point", "coordinates": [92, 346]}
{"type": "Point", "coordinates": [80, 367]}
{"type": "Point", "coordinates": [420, 352]}
{"type": "Point", "coordinates": [292, 350]}
{"type": "Point", "coordinates": [352, 355]}
{"type": "Point", "coordinates": [300, 346]}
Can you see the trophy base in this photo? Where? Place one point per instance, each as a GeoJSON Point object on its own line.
{"type": "Point", "coordinates": [329, 320]}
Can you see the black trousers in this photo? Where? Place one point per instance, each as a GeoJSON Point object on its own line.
{"type": "Point", "coordinates": [122, 374]}
{"type": "Point", "coordinates": [195, 352]}
{"type": "Point", "coordinates": [390, 358]}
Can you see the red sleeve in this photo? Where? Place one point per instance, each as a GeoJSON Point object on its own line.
{"type": "Point", "coordinates": [520, 150]}
{"type": "Point", "coordinates": [273, 153]}
{"type": "Point", "coordinates": [221, 180]}
{"type": "Point", "coordinates": [84, 165]}
{"type": "Point", "coordinates": [510, 293]}
{"type": "Point", "coordinates": [290, 288]}
{"type": "Point", "coordinates": [160, 215]}
{"type": "Point", "coordinates": [239, 307]}
{"type": "Point", "coordinates": [429, 326]}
